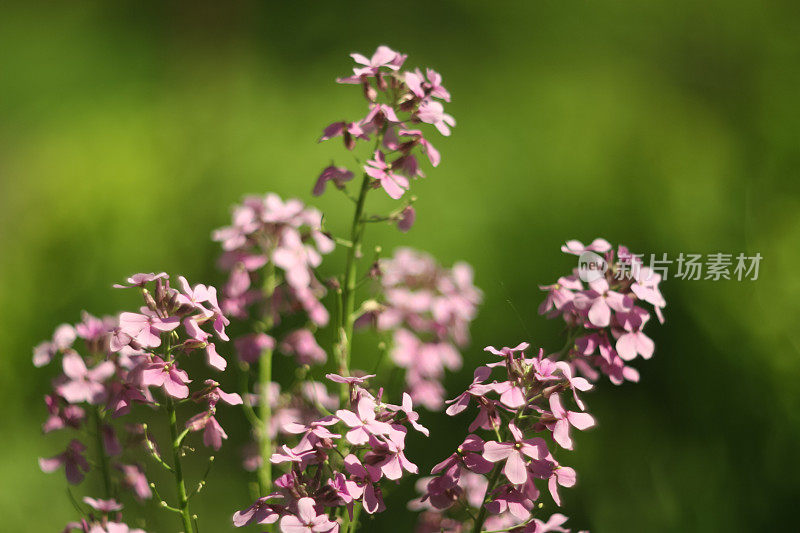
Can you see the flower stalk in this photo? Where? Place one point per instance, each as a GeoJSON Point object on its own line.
{"type": "Point", "coordinates": [264, 380]}
{"type": "Point", "coordinates": [177, 469]}
{"type": "Point", "coordinates": [102, 458]}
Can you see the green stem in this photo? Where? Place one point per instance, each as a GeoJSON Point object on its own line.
{"type": "Point", "coordinates": [101, 452]}
{"type": "Point", "coordinates": [482, 514]}
{"type": "Point", "coordinates": [351, 525]}
{"type": "Point", "coordinates": [347, 318]}
{"type": "Point", "coordinates": [348, 290]}
{"type": "Point", "coordinates": [183, 500]}
{"type": "Point", "coordinates": [264, 381]}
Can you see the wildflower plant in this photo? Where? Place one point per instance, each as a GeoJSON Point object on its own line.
{"type": "Point", "coordinates": [329, 444]}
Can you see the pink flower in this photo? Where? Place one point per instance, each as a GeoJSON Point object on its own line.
{"type": "Point", "coordinates": [388, 454]}
{"type": "Point", "coordinates": [134, 479]}
{"type": "Point", "coordinates": [63, 338]}
{"type": "Point", "coordinates": [362, 422]}
{"type": "Point", "coordinates": [575, 383]}
{"type": "Point", "coordinates": [302, 344]}
{"type": "Point", "coordinates": [296, 258]}
{"type": "Point", "coordinates": [105, 506]}
{"type": "Point", "coordinates": [212, 431]}
{"type": "Point", "coordinates": [60, 417]}
{"type": "Point", "coordinates": [158, 373]}
{"type": "Point", "coordinates": [146, 329]}
{"type": "Point", "coordinates": [364, 480]}
{"type": "Point", "coordinates": [338, 175]}
{"type": "Point", "coordinates": [468, 455]}
{"type": "Point", "coordinates": [72, 459]}
{"type": "Point", "coordinates": [195, 297]}
{"type": "Point", "coordinates": [411, 415]}
{"type": "Point", "coordinates": [422, 88]}
{"type": "Point", "coordinates": [564, 419]}
{"type": "Point", "coordinates": [140, 280]}
{"type": "Point", "coordinates": [407, 218]}
{"type": "Point", "coordinates": [83, 385]}
{"type": "Point", "coordinates": [350, 131]}
{"type": "Point", "coordinates": [250, 347]}
{"type": "Point", "coordinates": [476, 389]}
{"type": "Point", "coordinates": [394, 184]}
{"type": "Point", "coordinates": [383, 57]}
{"type": "Point", "coordinates": [554, 523]}
{"type": "Point", "coordinates": [307, 520]}
{"type": "Point", "coordinates": [432, 112]}
{"type": "Point", "coordinates": [433, 154]}
{"type": "Point", "coordinates": [602, 300]}
{"type": "Point", "coordinates": [352, 380]}
{"type": "Point", "coordinates": [513, 452]}
{"type": "Point", "coordinates": [576, 247]}
{"type": "Point", "coordinates": [261, 512]}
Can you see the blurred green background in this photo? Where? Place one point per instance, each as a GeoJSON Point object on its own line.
{"type": "Point", "coordinates": [128, 129]}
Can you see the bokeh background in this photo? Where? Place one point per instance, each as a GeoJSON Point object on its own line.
{"type": "Point", "coordinates": [128, 129]}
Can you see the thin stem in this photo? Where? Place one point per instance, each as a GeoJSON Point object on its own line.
{"type": "Point", "coordinates": [264, 382]}
{"type": "Point", "coordinates": [347, 318]}
{"type": "Point", "coordinates": [183, 500]}
{"type": "Point", "coordinates": [351, 525]}
{"type": "Point", "coordinates": [102, 459]}
{"type": "Point", "coordinates": [483, 511]}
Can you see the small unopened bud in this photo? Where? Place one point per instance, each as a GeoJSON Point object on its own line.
{"type": "Point", "coordinates": [407, 218]}
{"type": "Point", "coordinates": [149, 301]}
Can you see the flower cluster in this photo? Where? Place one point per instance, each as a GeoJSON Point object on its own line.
{"type": "Point", "coordinates": [303, 404]}
{"type": "Point", "coordinates": [285, 239]}
{"type": "Point", "coordinates": [127, 360]}
{"type": "Point", "coordinates": [90, 391]}
{"type": "Point", "coordinates": [428, 310]}
{"type": "Point", "coordinates": [337, 454]}
{"type": "Point", "coordinates": [338, 461]}
{"type": "Point", "coordinates": [399, 102]}
{"type": "Point", "coordinates": [103, 516]}
{"type": "Point", "coordinates": [606, 316]}
{"type": "Point", "coordinates": [503, 477]}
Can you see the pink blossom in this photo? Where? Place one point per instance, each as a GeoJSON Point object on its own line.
{"type": "Point", "coordinates": [261, 512]}
{"type": "Point", "coordinates": [302, 344]}
{"type": "Point", "coordinates": [250, 347]}
{"type": "Point", "coordinates": [362, 422]}
{"type": "Point", "coordinates": [351, 380]}
{"type": "Point", "coordinates": [60, 416]}
{"type": "Point", "coordinates": [433, 154]}
{"type": "Point", "coordinates": [134, 479]}
{"type": "Point", "coordinates": [602, 300]}
{"type": "Point", "coordinates": [432, 112]}
{"type": "Point", "coordinates": [338, 175]}
{"type": "Point", "coordinates": [576, 247]}
{"type": "Point", "coordinates": [407, 218]}
{"type": "Point", "coordinates": [364, 480]}
{"type": "Point", "coordinates": [394, 184]}
{"type": "Point", "coordinates": [513, 453]}
{"type": "Point", "coordinates": [140, 280]}
{"type": "Point", "coordinates": [307, 520]}
{"type": "Point", "coordinates": [105, 506]}
{"type": "Point", "coordinates": [63, 338]}
{"type": "Point", "coordinates": [158, 373]}
{"type": "Point", "coordinates": [554, 523]}
{"type": "Point", "coordinates": [72, 459]}
{"type": "Point", "coordinates": [213, 434]}
{"type": "Point", "coordinates": [146, 329]}
{"type": "Point", "coordinates": [383, 57]}
{"type": "Point", "coordinates": [422, 88]}
{"type": "Point", "coordinates": [408, 409]}
{"type": "Point", "coordinates": [564, 419]}
{"type": "Point", "coordinates": [82, 384]}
